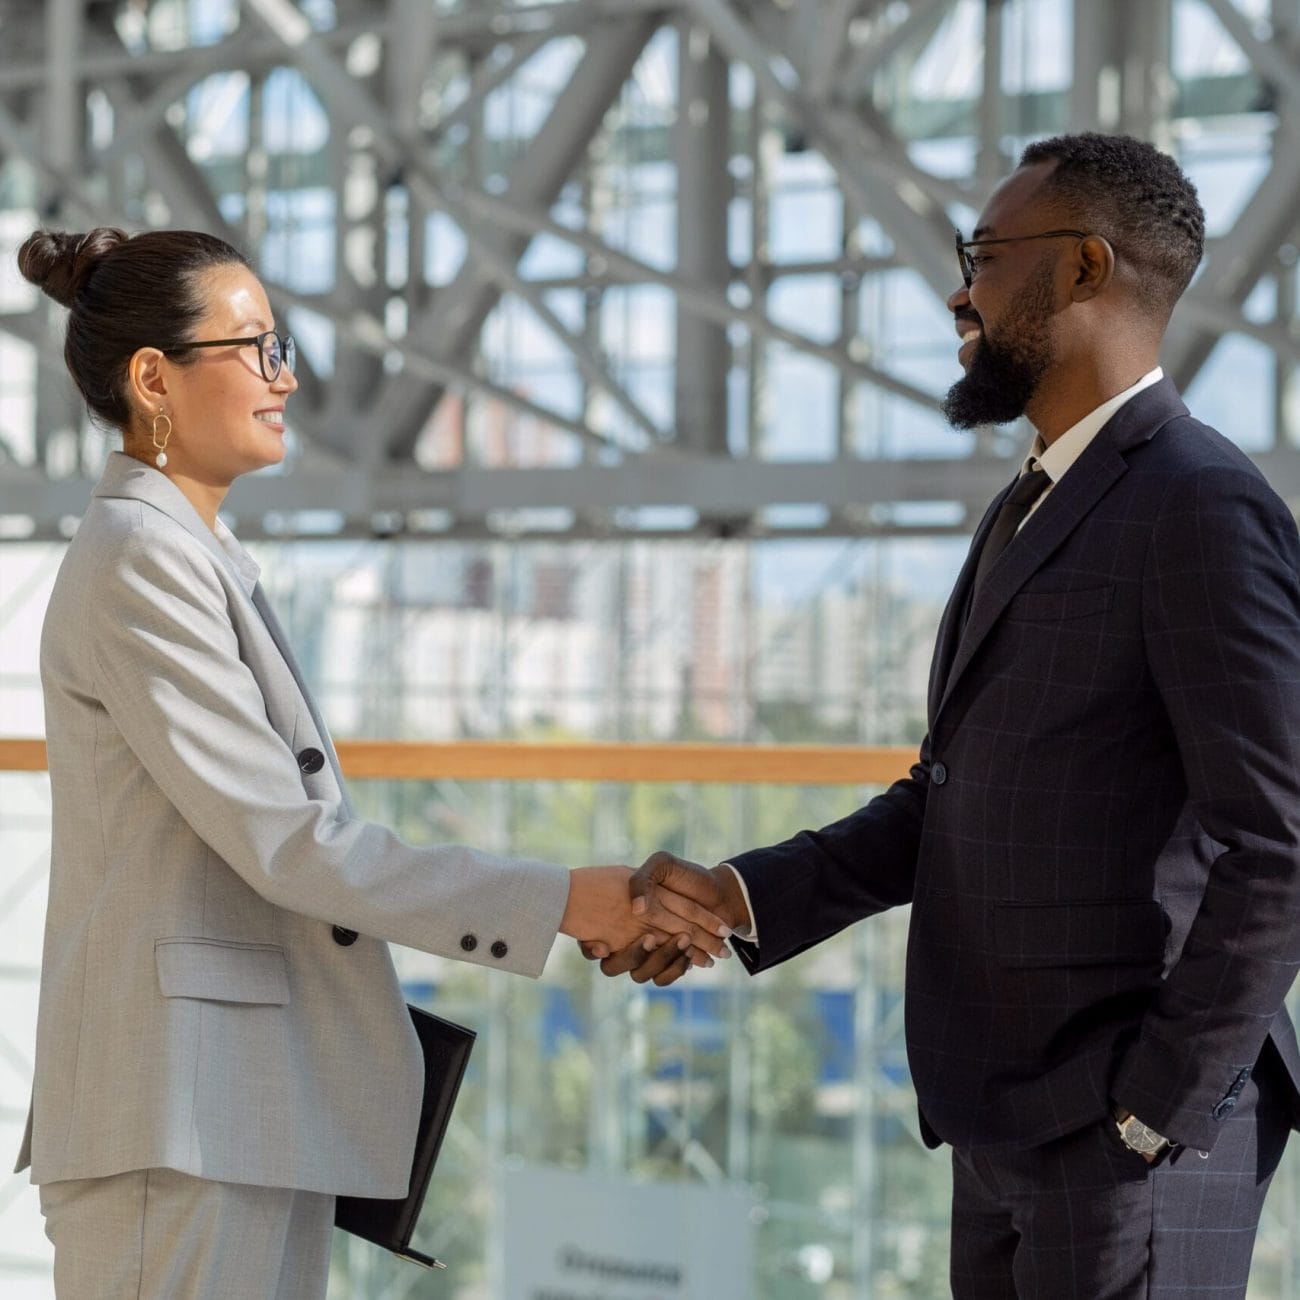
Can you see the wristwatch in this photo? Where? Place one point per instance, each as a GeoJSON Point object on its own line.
{"type": "Point", "coordinates": [1137, 1136]}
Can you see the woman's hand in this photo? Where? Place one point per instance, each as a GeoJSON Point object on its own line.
{"type": "Point", "coordinates": [682, 888]}
{"type": "Point", "coordinates": [599, 913]}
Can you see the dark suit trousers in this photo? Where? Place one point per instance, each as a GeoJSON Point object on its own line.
{"type": "Point", "coordinates": [1084, 1218]}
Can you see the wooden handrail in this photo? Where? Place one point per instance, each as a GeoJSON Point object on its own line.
{"type": "Point", "coordinates": [509, 760]}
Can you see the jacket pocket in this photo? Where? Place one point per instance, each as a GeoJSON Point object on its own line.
{"type": "Point", "coordinates": [221, 971]}
{"type": "Point", "coordinates": [1055, 606]}
{"type": "Point", "coordinates": [1080, 934]}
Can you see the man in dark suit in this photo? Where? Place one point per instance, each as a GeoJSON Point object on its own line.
{"type": "Point", "coordinates": [1100, 839]}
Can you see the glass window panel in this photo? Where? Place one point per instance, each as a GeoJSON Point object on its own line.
{"type": "Point", "coordinates": [444, 250]}
{"type": "Point", "coordinates": [1234, 392]}
{"type": "Point", "coordinates": [802, 395]}
{"type": "Point", "coordinates": [217, 118]}
{"type": "Point", "coordinates": [548, 257]}
{"type": "Point", "coordinates": [293, 118]}
{"type": "Point", "coordinates": [638, 323]}
{"type": "Point", "coordinates": [1037, 45]}
{"type": "Point", "coordinates": [951, 66]}
{"type": "Point", "coordinates": [1202, 46]}
{"type": "Point", "coordinates": [805, 223]}
{"type": "Point", "coordinates": [808, 304]}
{"type": "Point", "coordinates": [299, 248]}
{"type": "Point", "coordinates": [1226, 167]}
{"type": "Point", "coordinates": [518, 109]}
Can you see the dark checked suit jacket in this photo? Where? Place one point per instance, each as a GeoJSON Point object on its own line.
{"type": "Point", "coordinates": [1100, 838]}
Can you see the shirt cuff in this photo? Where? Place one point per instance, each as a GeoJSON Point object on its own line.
{"type": "Point", "coordinates": [750, 935]}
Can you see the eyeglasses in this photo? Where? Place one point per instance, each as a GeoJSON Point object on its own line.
{"type": "Point", "coordinates": [967, 262]}
{"type": "Point", "coordinates": [274, 351]}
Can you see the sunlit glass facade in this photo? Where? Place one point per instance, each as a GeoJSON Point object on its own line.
{"type": "Point", "coordinates": [621, 335]}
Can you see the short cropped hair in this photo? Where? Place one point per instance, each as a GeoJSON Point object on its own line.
{"type": "Point", "coordinates": [1138, 198]}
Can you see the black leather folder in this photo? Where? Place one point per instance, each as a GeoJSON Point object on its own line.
{"type": "Point", "coordinates": [387, 1223]}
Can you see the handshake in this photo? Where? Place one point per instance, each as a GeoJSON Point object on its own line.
{"type": "Point", "coordinates": [657, 922]}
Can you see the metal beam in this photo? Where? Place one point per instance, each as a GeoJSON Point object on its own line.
{"type": "Point", "coordinates": [912, 32]}
{"type": "Point", "coordinates": [868, 163]}
{"type": "Point", "coordinates": [450, 325]}
{"type": "Point", "coordinates": [1270, 58]}
{"type": "Point", "coordinates": [703, 151]}
{"type": "Point", "coordinates": [811, 72]}
{"type": "Point", "coordinates": [1237, 260]}
{"type": "Point", "coordinates": [866, 497]}
{"type": "Point", "coordinates": [707, 303]}
{"type": "Point", "coordinates": [826, 24]}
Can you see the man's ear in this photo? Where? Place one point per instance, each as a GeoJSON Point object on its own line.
{"type": "Point", "coordinates": [1094, 268]}
{"type": "Point", "coordinates": [146, 378]}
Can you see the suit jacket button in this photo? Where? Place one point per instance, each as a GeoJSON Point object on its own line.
{"type": "Point", "coordinates": [344, 938]}
{"type": "Point", "coordinates": [468, 942]}
{"type": "Point", "coordinates": [499, 949]}
{"type": "Point", "coordinates": [1224, 1108]}
{"type": "Point", "coordinates": [311, 760]}
{"type": "Point", "coordinates": [938, 774]}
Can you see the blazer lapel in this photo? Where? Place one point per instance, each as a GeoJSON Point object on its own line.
{"type": "Point", "coordinates": [268, 617]}
{"type": "Point", "coordinates": [126, 477]}
{"type": "Point", "coordinates": [1089, 478]}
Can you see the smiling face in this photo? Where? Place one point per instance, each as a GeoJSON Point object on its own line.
{"type": "Point", "coordinates": [1006, 319]}
{"type": "Point", "coordinates": [1005, 361]}
{"type": "Point", "coordinates": [227, 419]}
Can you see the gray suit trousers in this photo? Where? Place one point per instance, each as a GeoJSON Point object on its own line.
{"type": "Point", "coordinates": [155, 1234]}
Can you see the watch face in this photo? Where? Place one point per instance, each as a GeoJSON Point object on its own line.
{"type": "Point", "coordinates": [1138, 1137]}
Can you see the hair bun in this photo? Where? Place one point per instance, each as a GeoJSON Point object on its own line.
{"type": "Point", "coordinates": [59, 264]}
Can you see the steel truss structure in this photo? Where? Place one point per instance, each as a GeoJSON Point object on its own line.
{"type": "Point", "coordinates": [430, 127]}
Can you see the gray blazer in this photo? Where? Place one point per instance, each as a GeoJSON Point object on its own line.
{"type": "Point", "coordinates": [201, 1007]}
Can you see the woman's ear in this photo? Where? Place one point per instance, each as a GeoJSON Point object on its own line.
{"type": "Point", "coordinates": [146, 378]}
{"type": "Point", "coordinates": [1095, 268]}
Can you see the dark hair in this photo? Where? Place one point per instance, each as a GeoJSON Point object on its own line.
{"type": "Point", "coordinates": [1138, 198]}
{"type": "Point", "coordinates": [124, 292]}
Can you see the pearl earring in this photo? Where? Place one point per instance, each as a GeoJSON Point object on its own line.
{"type": "Point", "coordinates": [161, 458]}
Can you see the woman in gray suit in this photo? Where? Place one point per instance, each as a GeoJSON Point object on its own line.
{"type": "Point", "coordinates": [222, 1045]}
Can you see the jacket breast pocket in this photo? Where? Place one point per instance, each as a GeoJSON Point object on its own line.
{"type": "Point", "coordinates": [1057, 606]}
{"type": "Point", "coordinates": [220, 971]}
{"type": "Point", "coordinates": [1080, 934]}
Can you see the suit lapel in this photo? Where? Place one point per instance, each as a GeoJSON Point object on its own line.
{"type": "Point", "coordinates": [272, 623]}
{"type": "Point", "coordinates": [126, 477]}
{"type": "Point", "coordinates": [1066, 506]}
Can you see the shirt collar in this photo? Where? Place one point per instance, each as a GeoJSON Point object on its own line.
{"type": "Point", "coordinates": [1058, 458]}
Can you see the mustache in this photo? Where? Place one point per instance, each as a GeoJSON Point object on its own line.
{"type": "Point", "coordinates": [968, 318]}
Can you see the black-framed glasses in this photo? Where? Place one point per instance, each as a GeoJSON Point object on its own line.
{"type": "Point", "coordinates": [274, 351]}
{"type": "Point", "coordinates": [967, 262]}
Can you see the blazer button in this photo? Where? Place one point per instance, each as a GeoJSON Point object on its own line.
{"type": "Point", "coordinates": [344, 938]}
{"type": "Point", "coordinates": [499, 949]}
{"type": "Point", "coordinates": [938, 774]}
{"type": "Point", "coordinates": [311, 760]}
{"type": "Point", "coordinates": [468, 942]}
{"type": "Point", "coordinates": [1224, 1108]}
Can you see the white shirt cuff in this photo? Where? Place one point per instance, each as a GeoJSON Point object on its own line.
{"type": "Point", "coordinates": [750, 935]}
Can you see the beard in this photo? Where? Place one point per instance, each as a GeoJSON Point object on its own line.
{"type": "Point", "coordinates": [1004, 374]}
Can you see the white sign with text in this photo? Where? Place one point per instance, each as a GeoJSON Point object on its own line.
{"type": "Point", "coordinates": [577, 1236]}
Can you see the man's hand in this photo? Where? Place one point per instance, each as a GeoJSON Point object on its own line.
{"type": "Point", "coordinates": [676, 886]}
{"type": "Point", "coordinates": [604, 912]}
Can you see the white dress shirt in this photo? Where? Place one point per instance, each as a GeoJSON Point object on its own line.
{"type": "Point", "coordinates": [1058, 458]}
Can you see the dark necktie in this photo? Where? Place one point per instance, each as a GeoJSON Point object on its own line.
{"type": "Point", "coordinates": [1029, 487]}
